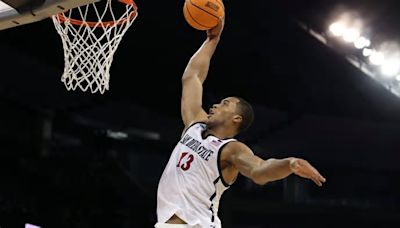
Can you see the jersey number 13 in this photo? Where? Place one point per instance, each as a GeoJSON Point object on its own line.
{"type": "Point", "coordinates": [185, 160]}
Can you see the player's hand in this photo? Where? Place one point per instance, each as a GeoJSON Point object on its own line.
{"type": "Point", "coordinates": [217, 30]}
{"type": "Point", "coordinates": [303, 169]}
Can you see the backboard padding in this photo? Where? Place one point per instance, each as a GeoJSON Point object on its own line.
{"type": "Point", "coordinates": [29, 11]}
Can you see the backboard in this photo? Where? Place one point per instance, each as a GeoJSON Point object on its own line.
{"type": "Point", "coordinates": [18, 12]}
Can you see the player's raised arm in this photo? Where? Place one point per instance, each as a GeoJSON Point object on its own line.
{"type": "Point", "coordinates": [264, 171]}
{"type": "Point", "coordinates": [195, 74]}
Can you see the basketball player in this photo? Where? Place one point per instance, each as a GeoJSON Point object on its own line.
{"type": "Point", "coordinates": [207, 159]}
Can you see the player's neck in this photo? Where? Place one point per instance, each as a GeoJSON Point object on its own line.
{"type": "Point", "coordinates": [221, 132]}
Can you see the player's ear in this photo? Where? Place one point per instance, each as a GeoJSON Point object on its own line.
{"type": "Point", "coordinates": [237, 119]}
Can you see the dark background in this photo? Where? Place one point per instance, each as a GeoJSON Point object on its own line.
{"type": "Point", "coordinates": [59, 167]}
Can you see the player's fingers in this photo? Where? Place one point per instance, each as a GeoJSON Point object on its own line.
{"type": "Point", "coordinates": [221, 22]}
{"type": "Point", "coordinates": [322, 179]}
{"type": "Point", "coordinates": [316, 181]}
{"type": "Point", "coordinates": [319, 176]}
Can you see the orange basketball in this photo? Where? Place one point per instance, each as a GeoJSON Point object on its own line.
{"type": "Point", "coordinates": [203, 14]}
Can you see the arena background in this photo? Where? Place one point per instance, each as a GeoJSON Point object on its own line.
{"type": "Point", "coordinates": [74, 159]}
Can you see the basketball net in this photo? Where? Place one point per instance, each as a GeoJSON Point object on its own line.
{"type": "Point", "coordinates": [89, 46]}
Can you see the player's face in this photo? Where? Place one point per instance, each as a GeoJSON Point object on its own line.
{"type": "Point", "coordinates": [223, 111]}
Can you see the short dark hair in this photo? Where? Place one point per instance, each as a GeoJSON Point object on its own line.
{"type": "Point", "coordinates": [246, 111]}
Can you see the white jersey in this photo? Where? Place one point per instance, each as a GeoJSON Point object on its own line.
{"type": "Point", "coordinates": [192, 184]}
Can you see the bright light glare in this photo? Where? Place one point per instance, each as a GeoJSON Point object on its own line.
{"type": "Point", "coordinates": [27, 225]}
{"type": "Point", "coordinates": [351, 35]}
{"type": "Point", "coordinates": [390, 67]}
{"type": "Point", "coordinates": [337, 28]}
{"type": "Point", "coordinates": [367, 52]}
{"type": "Point", "coordinates": [377, 58]}
{"type": "Point", "coordinates": [362, 42]}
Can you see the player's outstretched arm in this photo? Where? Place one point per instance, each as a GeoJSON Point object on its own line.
{"type": "Point", "coordinates": [264, 171]}
{"type": "Point", "coordinates": [195, 74]}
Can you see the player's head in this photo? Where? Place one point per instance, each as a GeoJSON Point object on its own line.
{"type": "Point", "coordinates": [231, 111]}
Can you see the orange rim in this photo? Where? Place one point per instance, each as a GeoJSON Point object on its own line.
{"type": "Point", "coordinates": [131, 16]}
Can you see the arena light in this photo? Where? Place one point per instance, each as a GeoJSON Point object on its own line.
{"type": "Point", "coordinates": [351, 34]}
{"type": "Point", "coordinates": [380, 61]}
{"type": "Point", "coordinates": [117, 135]}
{"type": "Point", "coordinates": [390, 67]}
{"type": "Point", "coordinates": [337, 28]}
{"type": "Point", "coordinates": [377, 58]}
{"type": "Point", "coordinates": [367, 52]}
{"type": "Point", "coordinates": [27, 225]}
{"type": "Point", "coordinates": [362, 42]}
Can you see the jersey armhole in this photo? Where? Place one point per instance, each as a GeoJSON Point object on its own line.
{"type": "Point", "coordinates": [219, 164]}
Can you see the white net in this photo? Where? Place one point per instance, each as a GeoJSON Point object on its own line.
{"type": "Point", "coordinates": [89, 46]}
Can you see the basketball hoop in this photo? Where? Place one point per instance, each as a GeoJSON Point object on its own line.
{"type": "Point", "coordinates": [90, 36]}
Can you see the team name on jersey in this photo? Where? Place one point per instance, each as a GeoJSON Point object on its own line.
{"type": "Point", "coordinates": [196, 147]}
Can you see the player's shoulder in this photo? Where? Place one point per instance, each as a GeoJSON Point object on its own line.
{"type": "Point", "coordinates": [235, 147]}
